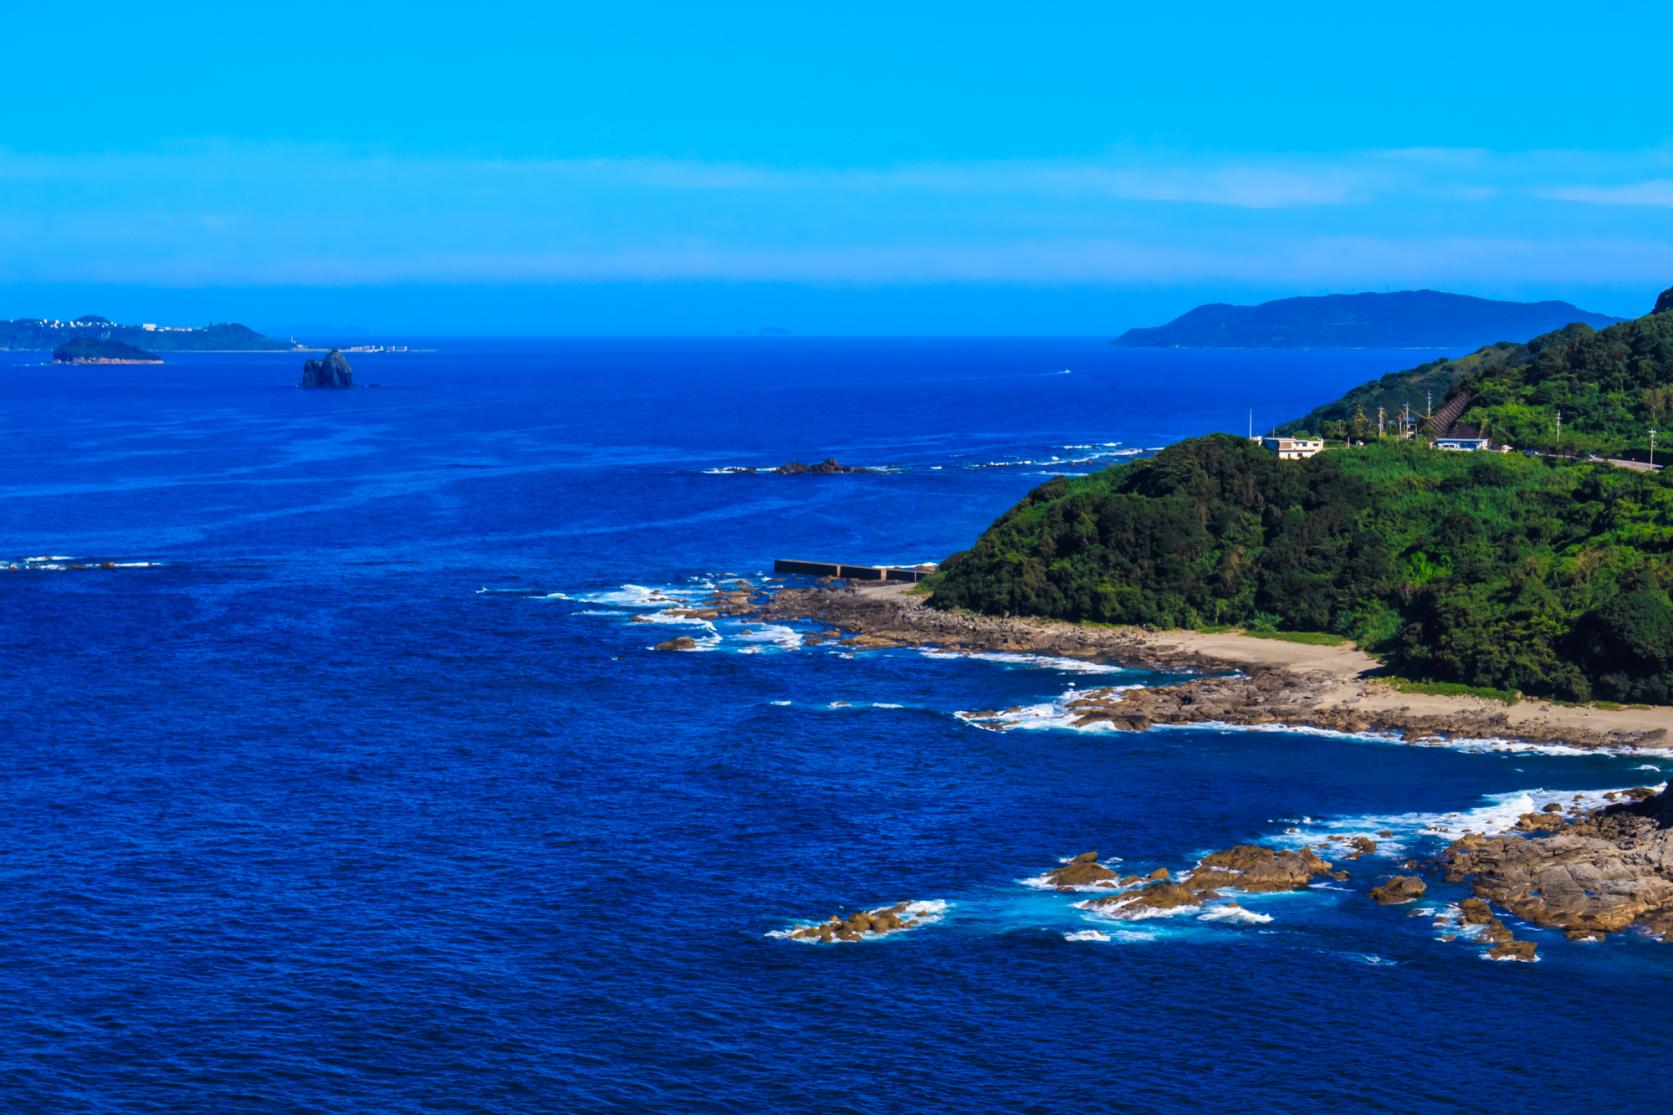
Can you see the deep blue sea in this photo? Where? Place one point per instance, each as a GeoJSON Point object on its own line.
{"type": "Point", "coordinates": [353, 786]}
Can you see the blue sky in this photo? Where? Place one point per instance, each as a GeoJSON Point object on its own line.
{"type": "Point", "coordinates": [869, 168]}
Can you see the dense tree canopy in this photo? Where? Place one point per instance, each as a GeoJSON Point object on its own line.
{"type": "Point", "coordinates": [1497, 570]}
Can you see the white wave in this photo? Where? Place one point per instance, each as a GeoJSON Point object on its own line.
{"type": "Point", "coordinates": [135, 564]}
{"type": "Point", "coordinates": [1136, 912]}
{"type": "Point", "coordinates": [1376, 961]}
{"type": "Point", "coordinates": [1499, 813]}
{"type": "Point", "coordinates": [599, 612]}
{"type": "Point", "coordinates": [842, 706]}
{"type": "Point", "coordinates": [673, 620]}
{"type": "Point", "coordinates": [1648, 766]}
{"type": "Point", "coordinates": [1036, 661]}
{"type": "Point", "coordinates": [642, 596]}
{"type": "Point", "coordinates": [1086, 935]}
{"type": "Point", "coordinates": [1029, 718]}
{"type": "Point", "coordinates": [1046, 714]}
{"type": "Point", "coordinates": [47, 557]}
{"type": "Point", "coordinates": [1043, 881]}
{"type": "Point", "coordinates": [774, 635]}
{"type": "Point", "coordinates": [780, 704]}
{"type": "Point", "coordinates": [1233, 915]}
{"type": "Point", "coordinates": [1481, 745]}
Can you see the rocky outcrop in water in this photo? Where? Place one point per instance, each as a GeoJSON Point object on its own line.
{"type": "Point", "coordinates": [828, 467]}
{"type": "Point", "coordinates": [332, 370]}
{"type": "Point", "coordinates": [1250, 868]}
{"type": "Point", "coordinates": [867, 923]}
{"type": "Point", "coordinates": [682, 642]}
{"type": "Point", "coordinates": [1083, 870]}
{"type": "Point", "coordinates": [1401, 888]}
{"type": "Point", "coordinates": [1589, 873]}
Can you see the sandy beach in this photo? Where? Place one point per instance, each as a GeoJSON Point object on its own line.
{"type": "Point", "coordinates": [1277, 682]}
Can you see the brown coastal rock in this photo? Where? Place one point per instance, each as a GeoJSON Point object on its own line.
{"type": "Point", "coordinates": [860, 924]}
{"type": "Point", "coordinates": [1156, 896]}
{"type": "Point", "coordinates": [1401, 888]}
{"type": "Point", "coordinates": [1258, 869]}
{"type": "Point", "coordinates": [1083, 870]}
{"type": "Point", "coordinates": [682, 642]}
{"type": "Point", "coordinates": [1587, 873]}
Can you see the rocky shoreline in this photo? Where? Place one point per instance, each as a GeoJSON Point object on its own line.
{"type": "Point", "coordinates": [1585, 871]}
{"type": "Point", "coordinates": [1329, 688]}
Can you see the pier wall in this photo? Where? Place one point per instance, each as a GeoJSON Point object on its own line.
{"type": "Point", "coordinates": [849, 572]}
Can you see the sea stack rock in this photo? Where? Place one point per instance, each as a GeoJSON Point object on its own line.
{"type": "Point", "coordinates": [332, 371]}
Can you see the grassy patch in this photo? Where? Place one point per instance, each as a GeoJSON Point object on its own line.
{"type": "Point", "coordinates": [1310, 638]}
{"type": "Point", "coordinates": [1454, 689]}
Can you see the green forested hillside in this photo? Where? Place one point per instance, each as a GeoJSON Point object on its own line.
{"type": "Point", "coordinates": [1610, 386]}
{"type": "Point", "coordinates": [1495, 570]}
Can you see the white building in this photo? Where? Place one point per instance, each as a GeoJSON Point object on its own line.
{"type": "Point", "coordinates": [1292, 448]}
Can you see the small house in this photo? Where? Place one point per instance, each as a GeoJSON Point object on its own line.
{"type": "Point", "coordinates": [1292, 448]}
{"type": "Point", "coordinates": [1463, 439]}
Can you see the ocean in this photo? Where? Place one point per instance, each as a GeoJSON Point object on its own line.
{"type": "Point", "coordinates": [353, 785]}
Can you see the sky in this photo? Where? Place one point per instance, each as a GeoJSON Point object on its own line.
{"type": "Point", "coordinates": [972, 168]}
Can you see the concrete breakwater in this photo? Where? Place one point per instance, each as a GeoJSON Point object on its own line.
{"type": "Point", "coordinates": [853, 572]}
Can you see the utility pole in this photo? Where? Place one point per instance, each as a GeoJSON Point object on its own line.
{"type": "Point", "coordinates": [1251, 423]}
{"type": "Point", "coordinates": [1428, 404]}
{"type": "Point", "coordinates": [1559, 430]}
{"type": "Point", "coordinates": [1381, 428]}
{"type": "Point", "coordinates": [1652, 449]}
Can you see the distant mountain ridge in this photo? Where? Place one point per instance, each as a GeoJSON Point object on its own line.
{"type": "Point", "coordinates": [1402, 319]}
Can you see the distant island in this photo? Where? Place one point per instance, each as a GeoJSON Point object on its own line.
{"type": "Point", "coordinates": [1403, 319]}
{"type": "Point", "coordinates": [46, 334]}
{"type": "Point", "coordinates": [97, 350]}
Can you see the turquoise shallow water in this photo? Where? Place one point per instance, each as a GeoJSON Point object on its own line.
{"type": "Point", "coordinates": [301, 818]}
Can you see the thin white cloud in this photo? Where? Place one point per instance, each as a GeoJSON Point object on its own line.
{"type": "Point", "coordinates": [1346, 263]}
{"type": "Point", "coordinates": [306, 214]}
{"type": "Point", "coordinates": [1656, 193]}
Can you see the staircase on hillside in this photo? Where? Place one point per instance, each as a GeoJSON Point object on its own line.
{"type": "Point", "coordinates": [1442, 420]}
